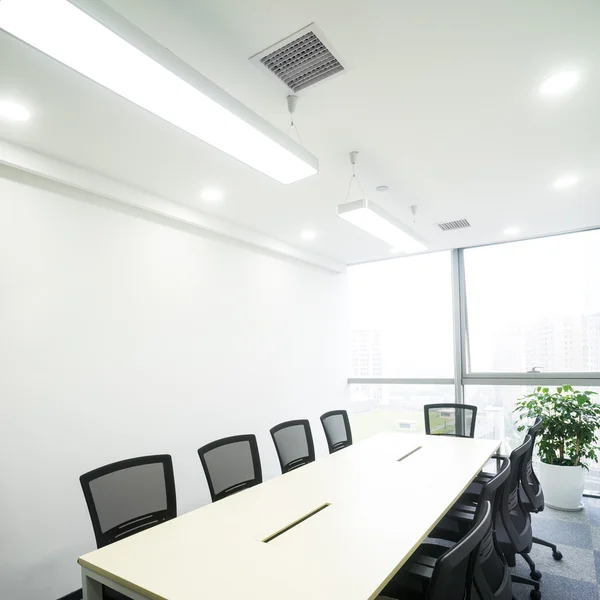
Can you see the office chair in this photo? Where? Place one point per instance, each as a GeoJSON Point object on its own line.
{"type": "Point", "coordinates": [530, 492]}
{"type": "Point", "coordinates": [231, 464]}
{"type": "Point", "coordinates": [294, 444]}
{"type": "Point", "coordinates": [450, 419]}
{"type": "Point", "coordinates": [337, 430]}
{"type": "Point", "coordinates": [128, 496]}
{"type": "Point", "coordinates": [513, 528]}
{"type": "Point", "coordinates": [491, 577]}
{"type": "Point", "coordinates": [435, 572]}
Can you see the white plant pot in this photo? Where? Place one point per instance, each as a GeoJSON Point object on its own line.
{"type": "Point", "coordinates": [562, 486]}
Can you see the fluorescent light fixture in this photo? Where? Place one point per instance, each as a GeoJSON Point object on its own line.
{"type": "Point", "coordinates": [512, 231]}
{"type": "Point", "coordinates": [100, 44]}
{"type": "Point", "coordinates": [567, 181]}
{"type": "Point", "coordinates": [374, 220]}
{"type": "Point", "coordinates": [308, 235]}
{"type": "Point", "coordinates": [211, 195]}
{"type": "Point", "coordinates": [560, 83]}
{"type": "Point", "coordinates": [13, 112]}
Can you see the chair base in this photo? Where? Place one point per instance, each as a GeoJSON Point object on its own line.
{"type": "Point", "coordinates": [535, 592]}
{"type": "Point", "coordinates": [556, 554]}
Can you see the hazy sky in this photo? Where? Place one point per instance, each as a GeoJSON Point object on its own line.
{"type": "Point", "coordinates": [409, 299]}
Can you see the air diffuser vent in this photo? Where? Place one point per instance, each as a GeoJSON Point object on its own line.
{"type": "Point", "coordinates": [300, 60]}
{"type": "Point", "coordinates": [451, 225]}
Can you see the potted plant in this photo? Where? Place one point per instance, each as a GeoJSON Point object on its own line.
{"type": "Point", "coordinates": [567, 441]}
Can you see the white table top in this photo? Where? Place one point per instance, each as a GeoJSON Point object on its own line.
{"type": "Point", "coordinates": [380, 509]}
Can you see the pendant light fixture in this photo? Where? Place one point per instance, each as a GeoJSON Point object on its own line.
{"type": "Point", "coordinates": [376, 221]}
{"type": "Point", "coordinates": [100, 44]}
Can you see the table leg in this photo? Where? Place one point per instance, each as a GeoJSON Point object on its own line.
{"type": "Point", "coordinates": [92, 589]}
{"type": "Point", "coordinates": [92, 584]}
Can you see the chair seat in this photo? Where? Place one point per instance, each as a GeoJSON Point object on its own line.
{"type": "Point", "coordinates": [403, 594]}
{"type": "Point", "coordinates": [456, 523]}
{"type": "Point", "coordinates": [411, 582]}
{"type": "Point", "coordinates": [504, 542]}
{"type": "Point", "coordinates": [405, 587]}
{"type": "Point", "coordinates": [529, 507]}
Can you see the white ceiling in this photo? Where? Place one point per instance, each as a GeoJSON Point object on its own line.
{"type": "Point", "coordinates": [440, 100]}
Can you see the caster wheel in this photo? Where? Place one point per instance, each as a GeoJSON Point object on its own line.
{"type": "Point", "coordinates": [557, 555]}
{"type": "Point", "coordinates": [535, 595]}
{"type": "Point", "coordinates": [536, 576]}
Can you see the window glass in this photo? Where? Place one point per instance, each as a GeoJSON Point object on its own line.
{"type": "Point", "coordinates": [390, 407]}
{"type": "Point", "coordinates": [535, 305]}
{"type": "Point", "coordinates": [402, 317]}
{"type": "Point", "coordinates": [496, 420]}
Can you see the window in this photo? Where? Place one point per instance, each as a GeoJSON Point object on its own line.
{"type": "Point", "coordinates": [495, 417]}
{"type": "Point", "coordinates": [402, 317]}
{"type": "Point", "coordinates": [529, 315]}
{"type": "Point", "coordinates": [534, 305]}
{"type": "Point", "coordinates": [393, 407]}
{"type": "Point", "coordinates": [496, 420]}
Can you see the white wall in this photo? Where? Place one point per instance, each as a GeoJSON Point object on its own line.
{"type": "Point", "coordinates": [122, 336]}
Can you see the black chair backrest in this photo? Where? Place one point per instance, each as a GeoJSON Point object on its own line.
{"type": "Point", "coordinates": [514, 518]}
{"type": "Point", "coordinates": [492, 490]}
{"type": "Point", "coordinates": [129, 496]}
{"type": "Point", "coordinates": [453, 571]}
{"type": "Point", "coordinates": [294, 444]}
{"type": "Point", "coordinates": [231, 464]}
{"type": "Point", "coordinates": [337, 429]}
{"type": "Point", "coordinates": [491, 575]}
{"type": "Point", "coordinates": [529, 482]}
{"type": "Point", "coordinates": [450, 419]}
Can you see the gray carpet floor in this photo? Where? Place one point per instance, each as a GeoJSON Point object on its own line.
{"type": "Point", "coordinates": [577, 535]}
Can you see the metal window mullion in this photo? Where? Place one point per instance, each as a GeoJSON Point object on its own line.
{"type": "Point", "coordinates": [548, 379]}
{"type": "Point", "coordinates": [458, 325]}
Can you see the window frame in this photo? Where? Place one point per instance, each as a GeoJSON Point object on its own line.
{"type": "Point", "coordinates": [461, 349]}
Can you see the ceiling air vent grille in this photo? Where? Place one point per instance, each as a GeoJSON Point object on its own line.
{"type": "Point", "coordinates": [451, 225]}
{"type": "Point", "coordinates": [300, 60]}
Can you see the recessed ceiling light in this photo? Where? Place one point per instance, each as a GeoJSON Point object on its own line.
{"type": "Point", "coordinates": [155, 80]}
{"type": "Point", "coordinates": [13, 112]}
{"type": "Point", "coordinates": [511, 231]}
{"type": "Point", "coordinates": [382, 188]}
{"type": "Point", "coordinates": [308, 235]}
{"type": "Point", "coordinates": [559, 83]}
{"type": "Point", "coordinates": [211, 195]}
{"type": "Point", "coordinates": [566, 181]}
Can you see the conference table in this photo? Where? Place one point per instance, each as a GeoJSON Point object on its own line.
{"type": "Point", "coordinates": [338, 528]}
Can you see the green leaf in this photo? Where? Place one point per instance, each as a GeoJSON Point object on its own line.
{"type": "Point", "coordinates": [571, 422]}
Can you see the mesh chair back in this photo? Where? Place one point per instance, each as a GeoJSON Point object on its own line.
{"type": "Point", "coordinates": [491, 573]}
{"type": "Point", "coordinates": [514, 522]}
{"type": "Point", "coordinates": [530, 484]}
{"type": "Point", "coordinates": [450, 419]}
{"type": "Point", "coordinates": [129, 496]}
{"type": "Point", "coordinates": [231, 464]}
{"type": "Point", "coordinates": [337, 430]}
{"type": "Point", "coordinates": [453, 572]}
{"type": "Point", "coordinates": [294, 444]}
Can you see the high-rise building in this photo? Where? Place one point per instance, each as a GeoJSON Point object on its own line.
{"type": "Point", "coordinates": [591, 342]}
{"type": "Point", "coordinates": [366, 353]}
{"type": "Point", "coordinates": [366, 362]}
{"type": "Point", "coordinates": [555, 344]}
